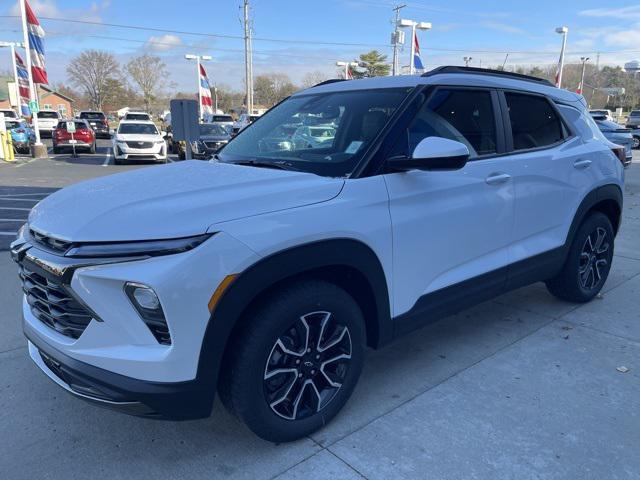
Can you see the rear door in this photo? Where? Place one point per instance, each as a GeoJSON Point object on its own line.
{"type": "Point", "coordinates": [551, 170]}
{"type": "Point", "coordinates": [451, 226]}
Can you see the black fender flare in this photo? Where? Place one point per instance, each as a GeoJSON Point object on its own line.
{"type": "Point", "coordinates": [606, 192]}
{"type": "Point", "coordinates": [342, 252]}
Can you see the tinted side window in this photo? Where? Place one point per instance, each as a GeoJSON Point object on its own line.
{"type": "Point", "coordinates": [534, 123]}
{"type": "Point", "coordinates": [463, 115]}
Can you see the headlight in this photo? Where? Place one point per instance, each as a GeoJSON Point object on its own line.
{"type": "Point", "coordinates": [151, 248]}
{"type": "Point", "coordinates": [159, 142]}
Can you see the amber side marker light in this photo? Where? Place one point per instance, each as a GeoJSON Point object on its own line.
{"type": "Point", "coordinates": [217, 295]}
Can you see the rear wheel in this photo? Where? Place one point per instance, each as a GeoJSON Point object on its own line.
{"type": "Point", "coordinates": [92, 149]}
{"type": "Point", "coordinates": [636, 141]}
{"type": "Point", "coordinates": [57, 150]}
{"type": "Point", "coordinates": [588, 262]}
{"type": "Point", "coordinates": [295, 361]}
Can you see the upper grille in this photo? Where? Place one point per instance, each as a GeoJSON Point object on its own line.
{"type": "Point", "coordinates": [50, 243]}
{"type": "Point", "coordinates": [139, 144]}
{"type": "Point", "coordinates": [52, 304]}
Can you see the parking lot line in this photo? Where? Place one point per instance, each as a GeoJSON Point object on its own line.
{"type": "Point", "coordinates": [19, 199]}
{"type": "Point", "coordinates": [13, 219]}
{"type": "Point", "coordinates": [13, 195]}
{"type": "Point", "coordinates": [8, 234]}
{"type": "Point", "coordinates": [16, 208]}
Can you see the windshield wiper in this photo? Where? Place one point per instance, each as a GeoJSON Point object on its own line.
{"type": "Point", "coordinates": [265, 164]}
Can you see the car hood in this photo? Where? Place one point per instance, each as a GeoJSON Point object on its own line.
{"type": "Point", "coordinates": [214, 138]}
{"type": "Point", "coordinates": [175, 200]}
{"type": "Point", "coordinates": [129, 137]}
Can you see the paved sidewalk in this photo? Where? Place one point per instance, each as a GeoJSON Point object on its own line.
{"type": "Point", "coordinates": [522, 387]}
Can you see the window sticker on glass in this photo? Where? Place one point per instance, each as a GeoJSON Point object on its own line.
{"type": "Point", "coordinates": [353, 147]}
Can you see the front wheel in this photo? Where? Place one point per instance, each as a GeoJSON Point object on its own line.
{"type": "Point", "coordinates": [588, 262]}
{"type": "Point", "coordinates": [636, 142]}
{"type": "Point", "coordinates": [295, 361]}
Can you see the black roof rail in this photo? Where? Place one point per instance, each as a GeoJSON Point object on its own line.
{"type": "Point", "coordinates": [487, 71]}
{"type": "Point", "coordinates": [331, 80]}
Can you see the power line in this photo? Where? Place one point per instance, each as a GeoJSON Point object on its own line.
{"type": "Point", "coordinates": [315, 42]}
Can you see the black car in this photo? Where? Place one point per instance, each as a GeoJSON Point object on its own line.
{"type": "Point", "coordinates": [212, 138]}
{"type": "Point", "coordinates": [98, 122]}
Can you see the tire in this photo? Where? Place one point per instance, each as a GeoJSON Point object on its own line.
{"type": "Point", "coordinates": [181, 155]}
{"type": "Point", "coordinates": [588, 262]}
{"type": "Point", "coordinates": [636, 142]}
{"type": "Point", "coordinates": [92, 149]}
{"type": "Point", "coordinates": [256, 351]}
{"type": "Point", "coordinates": [57, 150]}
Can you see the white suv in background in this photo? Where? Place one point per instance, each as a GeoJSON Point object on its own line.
{"type": "Point", "coordinates": [48, 121]}
{"type": "Point", "coordinates": [264, 275]}
{"type": "Point", "coordinates": [138, 140]}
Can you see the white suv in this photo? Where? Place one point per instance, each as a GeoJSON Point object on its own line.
{"type": "Point", "coordinates": [139, 140]}
{"type": "Point", "coordinates": [264, 274]}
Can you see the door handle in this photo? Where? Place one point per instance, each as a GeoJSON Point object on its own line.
{"type": "Point", "coordinates": [497, 178]}
{"type": "Point", "coordinates": [581, 164]}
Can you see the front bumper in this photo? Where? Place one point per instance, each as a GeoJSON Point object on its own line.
{"type": "Point", "coordinates": [171, 401]}
{"type": "Point", "coordinates": [157, 152]}
{"type": "Point", "coordinates": [116, 362]}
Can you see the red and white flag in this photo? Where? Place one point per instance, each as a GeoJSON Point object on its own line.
{"type": "Point", "coordinates": [206, 104]}
{"type": "Point", "coordinates": [36, 46]}
{"type": "Point", "coordinates": [23, 85]}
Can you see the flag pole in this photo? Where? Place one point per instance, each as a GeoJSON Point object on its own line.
{"type": "Point", "coordinates": [33, 95]}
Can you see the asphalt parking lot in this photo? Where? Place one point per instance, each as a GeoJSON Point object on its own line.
{"type": "Point", "coordinates": [521, 387]}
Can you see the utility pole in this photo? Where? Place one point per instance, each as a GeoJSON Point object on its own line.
{"type": "Point", "coordinates": [248, 59]}
{"type": "Point", "coordinates": [562, 31]}
{"type": "Point", "coordinates": [396, 41]}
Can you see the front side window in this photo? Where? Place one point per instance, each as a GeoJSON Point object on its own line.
{"type": "Point", "coordinates": [325, 133]}
{"type": "Point", "coordinates": [534, 122]}
{"type": "Point", "coordinates": [465, 116]}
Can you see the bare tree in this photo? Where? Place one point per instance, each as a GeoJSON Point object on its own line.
{"type": "Point", "coordinates": [150, 74]}
{"type": "Point", "coordinates": [95, 72]}
{"type": "Point", "coordinates": [272, 88]}
{"type": "Point", "coordinates": [313, 78]}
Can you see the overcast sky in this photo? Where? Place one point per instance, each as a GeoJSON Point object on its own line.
{"type": "Point", "coordinates": [288, 32]}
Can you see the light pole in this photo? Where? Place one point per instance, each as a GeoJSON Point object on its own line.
{"type": "Point", "coordinates": [12, 47]}
{"type": "Point", "coordinates": [467, 60]}
{"type": "Point", "coordinates": [199, 59]}
{"type": "Point", "coordinates": [414, 25]}
{"type": "Point", "coordinates": [562, 31]}
{"type": "Point", "coordinates": [584, 61]}
{"type": "Point", "coordinates": [397, 38]}
{"type": "Point", "coordinates": [346, 66]}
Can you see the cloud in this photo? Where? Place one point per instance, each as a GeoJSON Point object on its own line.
{"type": "Point", "coordinates": [624, 13]}
{"type": "Point", "coordinates": [502, 27]}
{"type": "Point", "coordinates": [50, 9]}
{"type": "Point", "coordinates": [163, 43]}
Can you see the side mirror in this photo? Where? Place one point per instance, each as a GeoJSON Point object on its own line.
{"type": "Point", "coordinates": [433, 153]}
{"type": "Point", "coordinates": [163, 134]}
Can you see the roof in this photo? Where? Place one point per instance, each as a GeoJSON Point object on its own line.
{"type": "Point", "coordinates": [51, 91]}
{"type": "Point", "coordinates": [458, 76]}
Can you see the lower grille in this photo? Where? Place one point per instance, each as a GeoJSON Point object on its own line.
{"type": "Point", "coordinates": [139, 144]}
{"type": "Point", "coordinates": [53, 305]}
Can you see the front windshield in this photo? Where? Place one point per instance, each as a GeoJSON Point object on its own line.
{"type": "Point", "coordinates": [212, 129]}
{"type": "Point", "coordinates": [47, 115]}
{"type": "Point", "coordinates": [138, 129]}
{"type": "Point", "coordinates": [137, 116]}
{"type": "Point", "coordinates": [324, 133]}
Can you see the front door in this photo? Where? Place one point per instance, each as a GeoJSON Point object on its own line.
{"type": "Point", "coordinates": [451, 226]}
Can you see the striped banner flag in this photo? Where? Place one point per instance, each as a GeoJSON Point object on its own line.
{"type": "Point", "coordinates": [36, 46]}
{"type": "Point", "coordinates": [23, 85]}
{"type": "Point", "coordinates": [417, 61]}
{"type": "Point", "coordinates": [206, 107]}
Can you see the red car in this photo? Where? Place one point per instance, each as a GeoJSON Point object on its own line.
{"type": "Point", "coordinates": [83, 138]}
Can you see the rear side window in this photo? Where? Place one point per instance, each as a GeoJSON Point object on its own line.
{"type": "Point", "coordinates": [534, 122]}
{"type": "Point", "coordinates": [465, 116]}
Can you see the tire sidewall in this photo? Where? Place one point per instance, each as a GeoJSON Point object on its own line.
{"type": "Point", "coordinates": [276, 320]}
{"type": "Point", "coordinates": [587, 228]}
